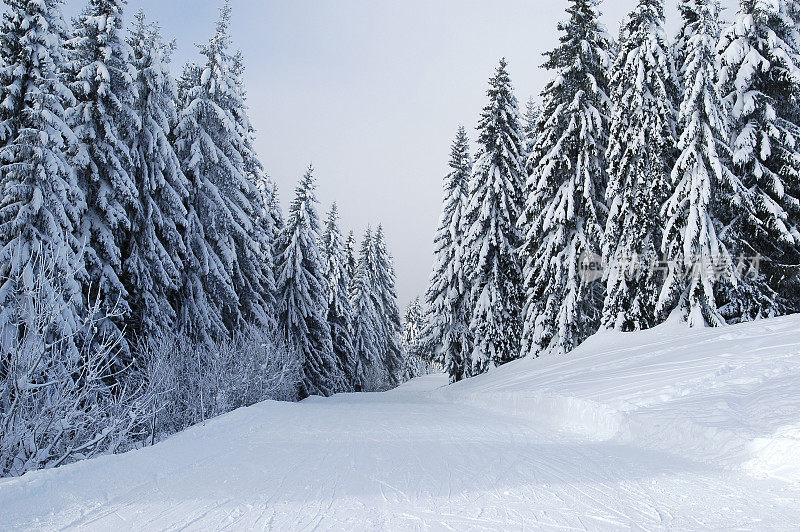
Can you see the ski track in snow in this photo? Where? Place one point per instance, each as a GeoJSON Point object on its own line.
{"type": "Point", "coordinates": [663, 430]}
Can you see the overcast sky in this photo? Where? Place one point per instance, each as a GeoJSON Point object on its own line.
{"type": "Point", "coordinates": [372, 92]}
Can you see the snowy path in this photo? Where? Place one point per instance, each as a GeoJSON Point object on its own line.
{"type": "Point", "coordinates": [411, 459]}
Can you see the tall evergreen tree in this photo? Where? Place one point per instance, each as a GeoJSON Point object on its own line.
{"type": "Point", "coordinates": [391, 330]}
{"type": "Point", "coordinates": [412, 324]}
{"type": "Point", "coordinates": [102, 75]}
{"type": "Point", "coordinates": [640, 158]}
{"type": "Point", "coordinates": [40, 201]}
{"type": "Point", "coordinates": [224, 286]}
{"type": "Point", "coordinates": [760, 82]}
{"type": "Point", "coordinates": [154, 252]}
{"type": "Point", "coordinates": [704, 188]}
{"type": "Point", "coordinates": [448, 295]}
{"type": "Point", "coordinates": [302, 295]}
{"type": "Point", "coordinates": [530, 126]}
{"type": "Point", "coordinates": [366, 321]}
{"type": "Point", "coordinates": [491, 236]}
{"type": "Point", "coordinates": [566, 212]}
{"type": "Point", "coordinates": [340, 313]}
{"type": "Point", "coordinates": [268, 221]}
{"type": "Point", "coordinates": [351, 261]}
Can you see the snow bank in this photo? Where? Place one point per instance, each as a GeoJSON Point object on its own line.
{"type": "Point", "coordinates": [728, 396]}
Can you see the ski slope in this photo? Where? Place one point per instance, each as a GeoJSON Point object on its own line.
{"type": "Point", "coordinates": [664, 429]}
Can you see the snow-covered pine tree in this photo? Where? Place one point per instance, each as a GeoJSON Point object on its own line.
{"type": "Point", "coordinates": [448, 294]}
{"type": "Point", "coordinates": [390, 335]}
{"type": "Point", "coordinates": [340, 313]}
{"type": "Point", "coordinates": [533, 114]}
{"type": "Point", "coordinates": [640, 157]}
{"type": "Point", "coordinates": [492, 238]}
{"type": "Point", "coordinates": [269, 193]}
{"type": "Point", "coordinates": [704, 188]}
{"type": "Point", "coordinates": [366, 322]}
{"type": "Point", "coordinates": [223, 286]}
{"type": "Point", "coordinates": [566, 212]}
{"type": "Point", "coordinates": [412, 324]}
{"type": "Point", "coordinates": [413, 344]}
{"type": "Point", "coordinates": [102, 77]}
{"type": "Point", "coordinates": [40, 201]}
{"type": "Point", "coordinates": [351, 261]}
{"type": "Point", "coordinates": [302, 295]}
{"type": "Point", "coordinates": [760, 82]}
{"type": "Point", "coordinates": [154, 253]}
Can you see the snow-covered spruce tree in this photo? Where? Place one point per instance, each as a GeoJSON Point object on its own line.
{"type": "Point", "coordinates": [391, 330]}
{"type": "Point", "coordinates": [154, 253]}
{"type": "Point", "coordinates": [102, 77]}
{"type": "Point", "coordinates": [40, 201]}
{"type": "Point", "coordinates": [530, 126]}
{"type": "Point", "coordinates": [412, 324]}
{"type": "Point", "coordinates": [760, 83]}
{"type": "Point", "coordinates": [340, 313]}
{"type": "Point", "coordinates": [566, 213]}
{"type": "Point", "coordinates": [270, 226]}
{"type": "Point", "coordinates": [367, 322]}
{"type": "Point", "coordinates": [266, 232]}
{"type": "Point", "coordinates": [491, 236]}
{"type": "Point", "coordinates": [413, 327]}
{"type": "Point", "coordinates": [302, 295]}
{"type": "Point", "coordinates": [223, 286]}
{"type": "Point", "coordinates": [640, 156]}
{"type": "Point", "coordinates": [448, 294]}
{"type": "Point", "coordinates": [698, 262]}
{"type": "Point", "coordinates": [351, 261]}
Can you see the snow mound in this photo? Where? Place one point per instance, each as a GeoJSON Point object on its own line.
{"type": "Point", "coordinates": [729, 396]}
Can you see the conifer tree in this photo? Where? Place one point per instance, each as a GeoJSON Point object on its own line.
{"type": "Point", "coordinates": [390, 332]}
{"type": "Point", "coordinates": [268, 219]}
{"type": "Point", "coordinates": [566, 211]}
{"type": "Point", "coordinates": [224, 286]}
{"type": "Point", "coordinates": [640, 157]}
{"type": "Point", "coordinates": [340, 313]}
{"type": "Point", "coordinates": [448, 295]}
{"type": "Point", "coordinates": [351, 261]}
{"type": "Point", "coordinates": [412, 324]}
{"type": "Point", "coordinates": [102, 77]}
{"type": "Point", "coordinates": [302, 295]}
{"type": "Point", "coordinates": [413, 340]}
{"type": "Point", "coordinates": [366, 321]}
{"type": "Point", "coordinates": [491, 235]}
{"type": "Point", "coordinates": [530, 126]}
{"type": "Point", "coordinates": [760, 83]}
{"type": "Point", "coordinates": [40, 201]}
{"type": "Point", "coordinates": [698, 262]}
{"type": "Point", "coordinates": [155, 250]}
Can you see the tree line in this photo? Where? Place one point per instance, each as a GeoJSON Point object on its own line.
{"type": "Point", "coordinates": [148, 277]}
{"type": "Point", "coordinates": [655, 180]}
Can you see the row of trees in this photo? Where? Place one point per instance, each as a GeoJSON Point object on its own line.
{"type": "Point", "coordinates": [673, 166]}
{"type": "Point", "coordinates": [338, 308]}
{"type": "Point", "coordinates": [148, 279]}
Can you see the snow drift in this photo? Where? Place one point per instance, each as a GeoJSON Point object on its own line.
{"type": "Point", "coordinates": [729, 396]}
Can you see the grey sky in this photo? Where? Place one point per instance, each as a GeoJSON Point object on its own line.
{"type": "Point", "coordinates": [372, 92]}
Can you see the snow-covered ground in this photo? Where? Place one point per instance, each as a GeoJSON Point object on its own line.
{"type": "Point", "coordinates": [665, 429]}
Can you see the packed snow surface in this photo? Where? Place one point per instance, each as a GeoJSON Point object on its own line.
{"type": "Point", "coordinates": [664, 429]}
